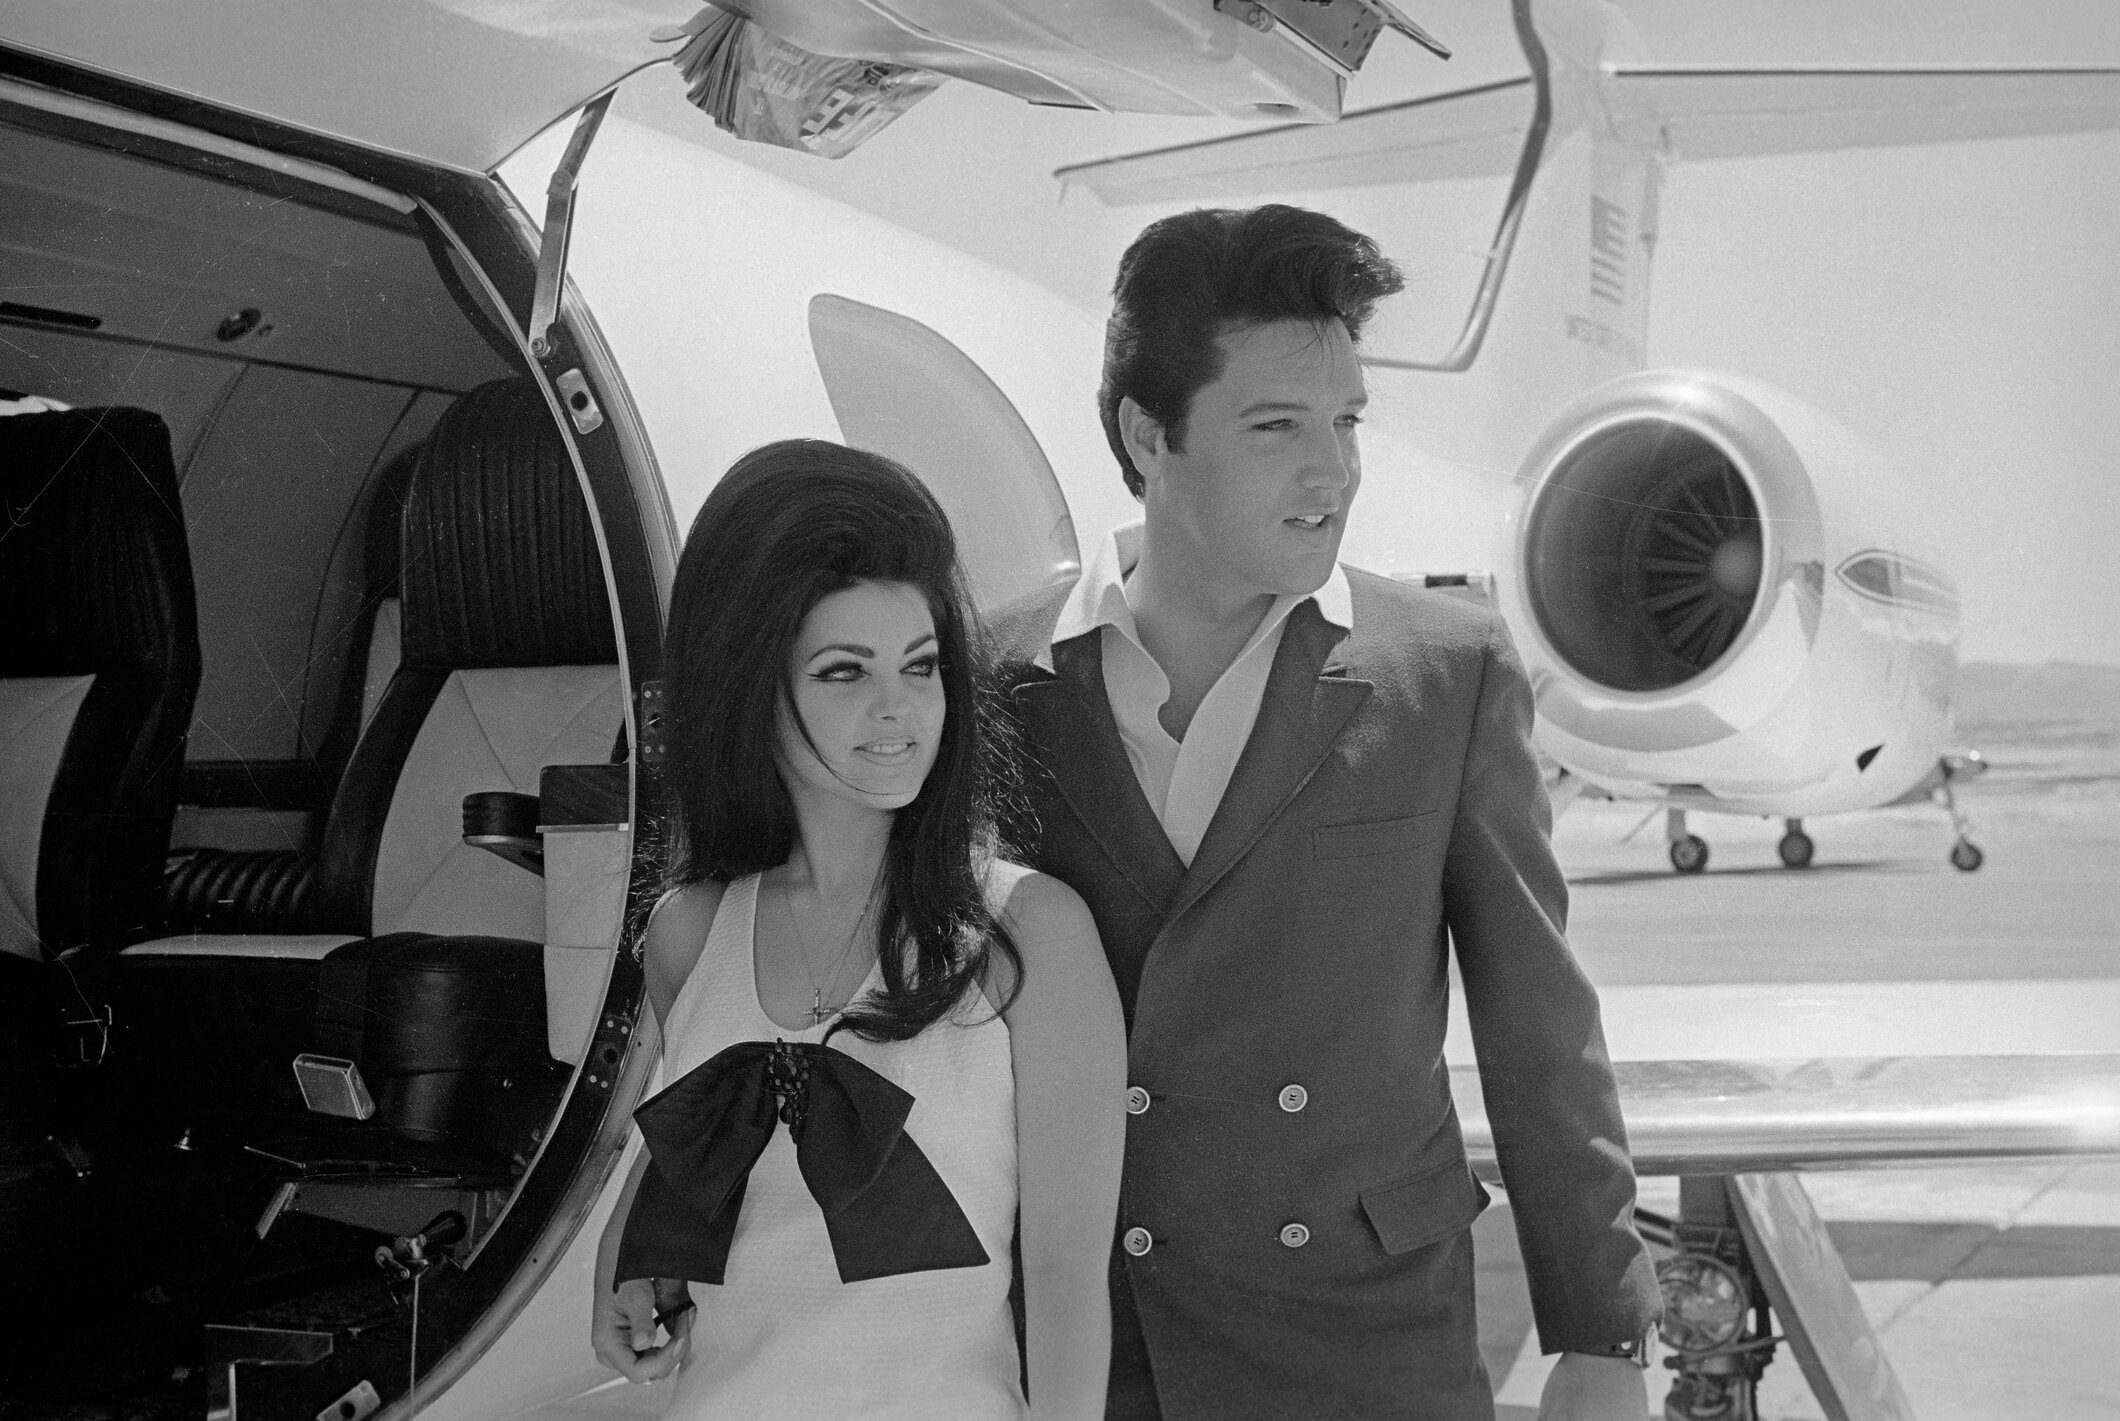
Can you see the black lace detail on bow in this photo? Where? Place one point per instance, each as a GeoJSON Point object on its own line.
{"type": "Point", "coordinates": [886, 1209]}
{"type": "Point", "coordinates": [788, 1077]}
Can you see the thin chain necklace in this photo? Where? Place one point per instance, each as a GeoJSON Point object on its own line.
{"type": "Point", "coordinates": [818, 1011]}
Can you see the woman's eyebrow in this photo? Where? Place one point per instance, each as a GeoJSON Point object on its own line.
{"type": "Point", "coordinates": [919, 641]}
{"type": "Point", "coordinates": [849, 647]}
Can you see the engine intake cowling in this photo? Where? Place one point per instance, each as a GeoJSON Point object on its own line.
{"type": "Point", "coordinates": [1668, 555]}
{"type": "Point", "coordinates": [1643, 555]}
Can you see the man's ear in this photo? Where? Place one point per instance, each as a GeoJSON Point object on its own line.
{"type": "Point", "coordinates": [1144, 437]}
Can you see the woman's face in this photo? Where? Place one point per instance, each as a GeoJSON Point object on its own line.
{"type": "Point", "coordinates": [865, 679]}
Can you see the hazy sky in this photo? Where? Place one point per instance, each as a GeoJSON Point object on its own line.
{"type": "Point", "coordinates": [1955, 305]}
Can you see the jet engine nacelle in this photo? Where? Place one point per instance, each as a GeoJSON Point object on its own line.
{"type": "Point", "coordinates": [1721, 598]}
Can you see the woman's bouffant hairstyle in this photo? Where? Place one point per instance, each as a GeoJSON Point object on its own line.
{"type": "Point", "coordinates": [789, 525]}
{"type": "Point", "coordinates": [1189, 280]}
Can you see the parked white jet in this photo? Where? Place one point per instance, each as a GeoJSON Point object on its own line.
{"type": "Point", "coordinates": [349, 563]}
{"type": "Point", "coordinates": [1728, 601]}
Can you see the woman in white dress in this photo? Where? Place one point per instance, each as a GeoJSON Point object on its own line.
{"type": "Point", "coordinates": [895, 1061]}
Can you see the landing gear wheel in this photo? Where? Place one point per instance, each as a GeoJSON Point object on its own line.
{"type": "Point", "coordinates": [1690, 854]}
{"type": "Point", "coordinates": [1795, 850]}
{"type": "Point", "coordinates": [1966, 856]}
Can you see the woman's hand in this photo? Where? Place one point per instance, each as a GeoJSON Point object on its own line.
{"type": "Point", "coordinates": [622, 1329]}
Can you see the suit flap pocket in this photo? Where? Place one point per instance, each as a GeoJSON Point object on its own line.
{"type": "Point", "coordinates": [1381, 836]}
{"type": "Point", "coordinates": [1423, 1208]}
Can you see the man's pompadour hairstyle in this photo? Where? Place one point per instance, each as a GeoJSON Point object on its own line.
{"type": "Point", "coordinates": [1188, 280]}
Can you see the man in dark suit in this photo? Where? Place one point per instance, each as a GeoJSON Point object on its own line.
{"type": "Point", "coordinates": [1283, 786]}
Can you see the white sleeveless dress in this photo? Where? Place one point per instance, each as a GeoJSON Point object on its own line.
{"type": "Point", "coordinates": [781, 1336]}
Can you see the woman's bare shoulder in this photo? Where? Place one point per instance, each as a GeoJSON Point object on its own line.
{"type": "Point", "coordinates": [677, 930]}
{"type": "Point", "coordinates": [1034, 903]}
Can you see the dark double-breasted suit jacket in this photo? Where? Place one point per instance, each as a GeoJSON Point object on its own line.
{"type": "Point", "coordinates": [1286, 1002]}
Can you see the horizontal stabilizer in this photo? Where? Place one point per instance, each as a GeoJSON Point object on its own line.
{"type": "Point", "coordinates": [1732, 113]}
{"type": "Point", "coordinates": [1467, 134]}
{"type": "Point", "coordinates": [1700, 113]}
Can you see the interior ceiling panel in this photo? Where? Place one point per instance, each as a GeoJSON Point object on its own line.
{"type": "Point", "coordinates": [176, 259]}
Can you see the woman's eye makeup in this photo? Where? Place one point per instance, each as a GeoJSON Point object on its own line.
{"type": "Point", "coordinates": [837, 671]}
{"type": "Point", "coordinates": [921, 666]}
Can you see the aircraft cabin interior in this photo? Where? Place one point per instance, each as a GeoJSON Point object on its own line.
{"type": "Point", "coordinates": [315, 826]}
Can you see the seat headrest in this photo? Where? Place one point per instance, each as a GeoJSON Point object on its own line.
{"type": "Point", "coordinates": [499, 556]}
{"type": "Point", "coordinates": [95, 569]}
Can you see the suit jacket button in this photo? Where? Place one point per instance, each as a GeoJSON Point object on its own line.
{"type": "Point", "coordinates": [1138, 1242]}
{"type": "Point", "coordinates": [1294, 1098]}
{"type": "Point", "coordinates": [1136, 1100]}
{"type": "Point", "coordinates": [1294, 1235]}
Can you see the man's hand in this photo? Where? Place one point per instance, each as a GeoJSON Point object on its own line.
{"type": "Point", "coordinates": [1586, 1388]}
{"type": "Point", "coordinates": [622, 1330]}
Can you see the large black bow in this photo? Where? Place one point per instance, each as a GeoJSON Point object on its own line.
{"type": "Point", "coordinates": [885, 1207]}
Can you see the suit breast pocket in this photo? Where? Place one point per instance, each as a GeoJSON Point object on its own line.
{"type": "Point", "coordinates": [1377, 838]}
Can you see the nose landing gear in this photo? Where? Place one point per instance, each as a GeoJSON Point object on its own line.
{"type": "Point", "coordinates": [1965, 854]}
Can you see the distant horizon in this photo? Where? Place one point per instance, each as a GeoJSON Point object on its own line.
{"type": "Point", "coordinates": [2049, 661]}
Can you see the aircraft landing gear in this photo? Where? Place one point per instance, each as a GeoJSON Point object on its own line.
{"type": "Point", "coordinates": [1689, 851]}
{"type": "Point", "coordinates": [1965, 854]}
{"type": "Point", "coordinates": [1795, 847]}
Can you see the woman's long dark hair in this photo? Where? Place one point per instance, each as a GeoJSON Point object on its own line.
{"type": "Point", "coordinates": [789, 525]}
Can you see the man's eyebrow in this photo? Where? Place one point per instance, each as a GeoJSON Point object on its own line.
{"type": "Point", "coordinates": [1259, 407]}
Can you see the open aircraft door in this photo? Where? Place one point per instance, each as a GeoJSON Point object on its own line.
{"type": "Point", "coordinates": [282, 228]}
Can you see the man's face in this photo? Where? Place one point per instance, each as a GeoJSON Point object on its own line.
{"type": "Point", "coordinates": [1256, 501]}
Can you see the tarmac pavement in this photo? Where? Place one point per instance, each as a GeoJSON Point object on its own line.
{"type": "Point", "coordinates": [1993, 1287]}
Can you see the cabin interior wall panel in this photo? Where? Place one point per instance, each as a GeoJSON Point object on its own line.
{"type": "Point", "coordinates": [81, 369]}
{"type": "Point", "coordinates": [265, 500]}
{"type": "Point", "coordinates": [360, 578]}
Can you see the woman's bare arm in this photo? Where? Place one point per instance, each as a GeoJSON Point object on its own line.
{"type": "Point", "coordinates": [1067, 1042]}
{"type": "Point", "coordinates": [622, 1320]}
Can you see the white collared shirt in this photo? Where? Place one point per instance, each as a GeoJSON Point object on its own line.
{"type": "Point", "coordinates": [1182, 780]}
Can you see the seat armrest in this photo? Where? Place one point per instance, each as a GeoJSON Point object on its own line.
{"type": "Point", "coordinates": [585, 796]}
{"type": "Point", "coordinates": [505, 823]}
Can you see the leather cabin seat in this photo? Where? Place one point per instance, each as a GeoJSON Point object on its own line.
{"type": "Point", "coordinates": [98, 671]}
{"type": "Point", "coordinates": [99, 665]}
{"type": "Point", "coordinates": [422, 956]}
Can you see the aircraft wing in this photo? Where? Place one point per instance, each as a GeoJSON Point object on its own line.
{"type": "Point", "coordinates": [1734, 1117]}
{"type": "Point", "coordinates": [1736, 1077]}
{"type": "Point", "coordinates": [1702, 113]}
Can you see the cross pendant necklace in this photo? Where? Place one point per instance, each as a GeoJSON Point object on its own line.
{"type": "Point", "coordinates": [817, 1011]}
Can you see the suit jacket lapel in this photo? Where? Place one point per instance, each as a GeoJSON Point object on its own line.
{"type": "Point", "coordinates": [1305, 706]}
{"type": "Point", "coordinates": [1069, 720]}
